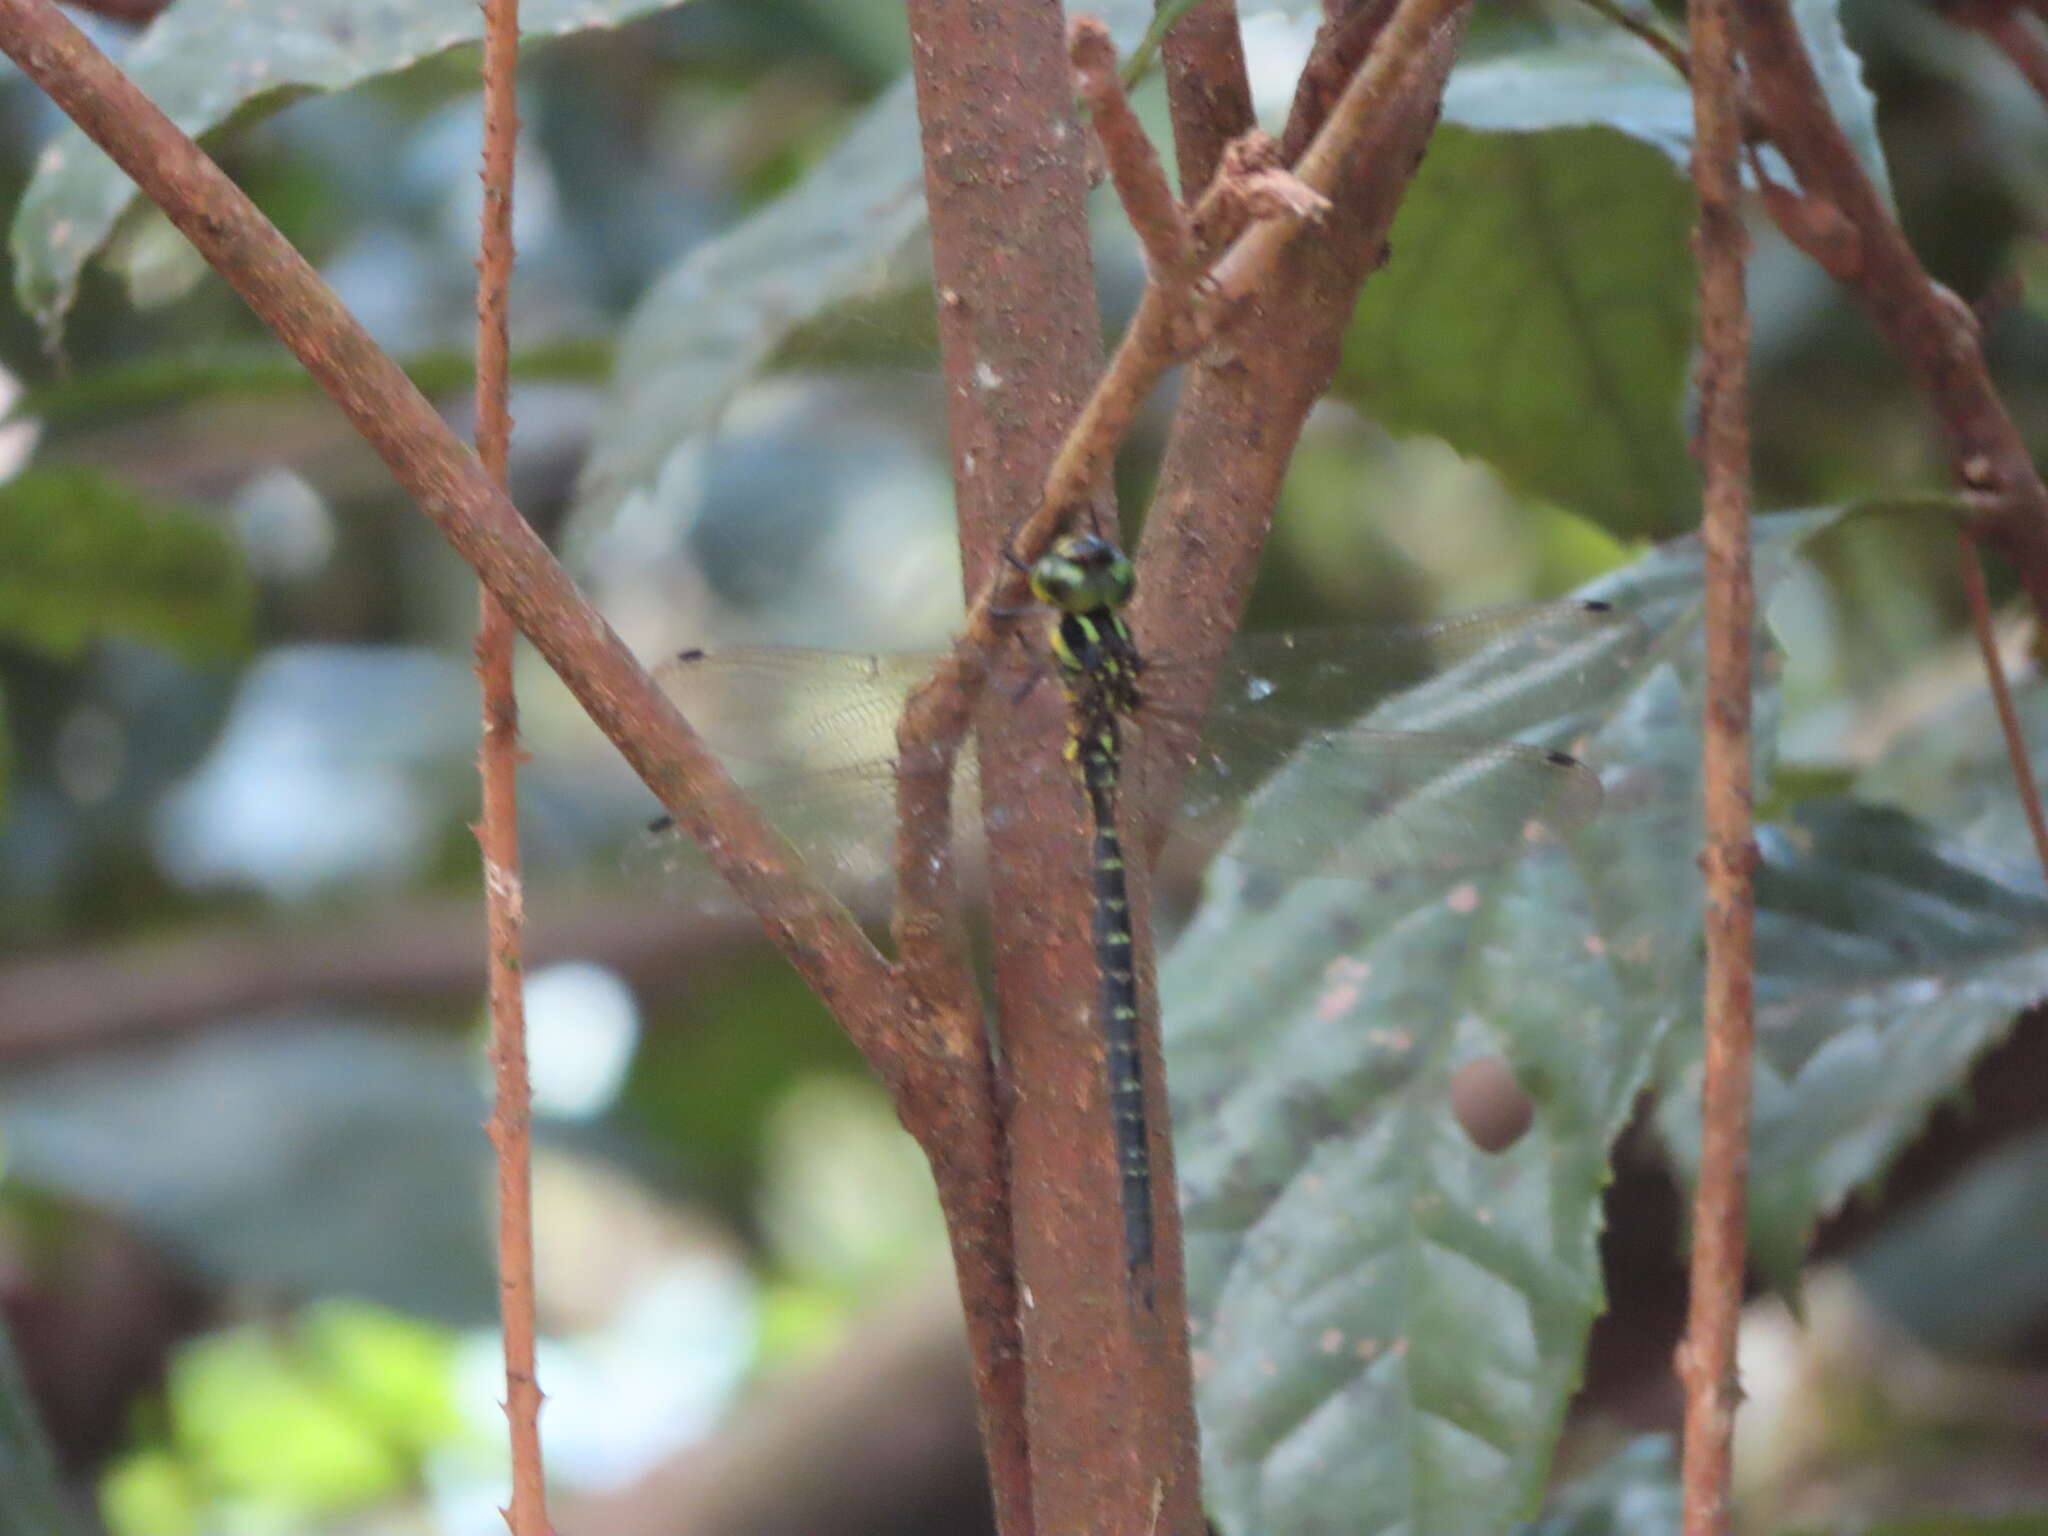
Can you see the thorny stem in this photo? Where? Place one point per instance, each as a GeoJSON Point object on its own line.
{"type": "Point", "coordinates": [913, 1046]}
{"type": "Point", "coordinates": [1933, 332]}
{"type": "Point", "coordinates": [1706, 1358]}
{"type": "Point", "coordinates": [2001, 697]}
{"type": "Point", "coordinates": [819, 936]}
{"type": "Point", "coordinates": [498, 755]}
{"type": "Point", "coordinates": [2001, 24]}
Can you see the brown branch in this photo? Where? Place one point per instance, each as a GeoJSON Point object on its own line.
{"type": "Point", "coordinates": [1171, 321]}
{"type": "Point", "coordinates": [484, 528]}
{"type": "Point", "coordinates": [1706, 1358]}
{"type": "Point", "coordinates": [1242, 409]}
{"type": "Point", "coordinates": [1098, 1479]}
{"type": "Point", "coordinates": [106, 995]}
{"type": "Point", "coordinates": [923, 1043]}
{"type": "Point", "coordinates": [2001, 698]}
{"type": "Point", "coordinates": [1129, 1461]}
{"type": "Point", "coordinates": [511, 1123]}
{"type": "Point", "coordinates": [1401, 54]}
{"type": "Point", "coordinates": [1006, 190]}
{"type": "Point", "coordinates": [1148, 202]}
{"type": "Point", "coordinates": [1239, 417]}
{"type": "Point", "coordinates": [1132, 1460]}
{"type": "Point", "coordinates": [2002, 25]}
{"type": "Point", "coordinates": [1160, 335]}
{"type": "Point", "coordinates": [817, 935]}
{"type": "Point", "coordinates": [1651, 35]}
{"type": "Point", "coordinates": [1932, 331]}
{"type": "Point", "coordinates": [1207, 90]}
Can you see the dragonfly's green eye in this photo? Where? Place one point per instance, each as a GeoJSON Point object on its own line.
{"type": "Point", "coordinates": [1083, 573]}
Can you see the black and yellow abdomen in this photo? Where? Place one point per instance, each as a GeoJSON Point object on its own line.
{"type": "Point", "coordinates": [1087, 580]}
{"type": "Point", "coordinates": [1117, 995]}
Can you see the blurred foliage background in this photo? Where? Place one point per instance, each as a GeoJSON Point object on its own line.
{"type": "Point", "coordinates": [242, 1191]}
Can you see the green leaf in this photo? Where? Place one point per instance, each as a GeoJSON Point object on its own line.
{"type": "Point", "coordinates": [154, 1491]}
{"type": "Point", "coordinates": [82, 555]}
{"type": "Point", "coordinates": [1586, 77]}
{"type": "Point", "coordinates": [713, 322]}
{"type": "Point", "coordinates": [263, 1426]}
{"type": "Point", "coordinates": [1537, 313]}
{"type": "Point", "coordinates": [1537, 310]}
{"type": "Point", "coordinates": [1387, 1320]}
{"type": "Point", "coordinates": [1952, 770]}
{"type": "Point", "coordinates": [1594, 76]}
{"type": "Point", "coordinates": [1886, 963]}
{"type": "Point", "coordinates": [843, 237]}
{"type": "Point", "coordinates": [30, 1501]}
{"type": "Point", "coordinates": [203, 61]}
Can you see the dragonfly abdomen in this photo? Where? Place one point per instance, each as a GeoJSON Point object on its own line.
{"type": "Point", "coordinates": [1117, 997]}
{"type": "Point", "coordinates": [1087, 581]}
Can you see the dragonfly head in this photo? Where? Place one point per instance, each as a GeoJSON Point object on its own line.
{"type": "Point", "coordinates": [1083, 573]}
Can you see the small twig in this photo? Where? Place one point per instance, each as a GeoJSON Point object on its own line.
{"type": "Point", "coordinates": [1242, 408]}
{"type": "Point", "coordinates": [1134, 167]}
{"type": "Point", "coordinates": [1251, 183]}
{"type": "Point", "coordinates": [1706, 1358]}
{"type": "Point", "coordinates": [497, 831]}
{"type": "Point", "coordinates": [1815, 225]}
{"type": "Point", "coordinates": [2001, 697]}
{"type": "Point", "coordinates": [2002, 25]}
{"type": "Point", "coordinates": [1654, 36]}
{"type": "Point", "coordinates": [820, 938]}
{"type": "Point", "coordinates": [1933, 333]}
{"type": "Point", "coordinates": [1159, 335]}
{"type": "Point", "coordinates": [1153, 342]}
{"type": "Point", "coordinates": [1400, 54]}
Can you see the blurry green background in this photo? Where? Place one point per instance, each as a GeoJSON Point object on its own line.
{"type": "Point", "coordinates": [243, 1197]}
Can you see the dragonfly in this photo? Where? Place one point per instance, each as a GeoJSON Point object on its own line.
{"type": "Point", "coordinates": [1350, 753]}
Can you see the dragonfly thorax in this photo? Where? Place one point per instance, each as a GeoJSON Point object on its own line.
{"type": "Point", "coordinates": [1083, 573]}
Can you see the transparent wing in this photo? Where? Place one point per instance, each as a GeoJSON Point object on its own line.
{"type": "Point", "coordinates": [1360, 803]}
{"type": "Point", "coordinates": [842, 820]}
{"type": "Point", "coordinates": [1541, 659]}
{"type": "Point", "coordinates": [820, 710]}
{"type": "Point", "coordinates": [1359, 753]}
{"type": "Point", "coordinates": [813, 711]}
{"type": "Point", "coordinates": [1423, 779]}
